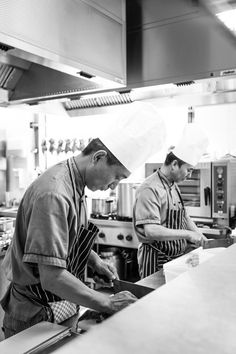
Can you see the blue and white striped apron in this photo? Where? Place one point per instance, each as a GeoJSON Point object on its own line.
{"type": "Point", "coordinates": [154, 255]}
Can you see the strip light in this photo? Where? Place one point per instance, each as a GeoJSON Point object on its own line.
{"type": "Point", "coordinates": [229, 19]}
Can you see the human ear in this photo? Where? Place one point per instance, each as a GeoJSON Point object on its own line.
{"type": "Point", "coordinates": [98, 155]}
{"type": "Point", "coordinates": [174, 164]}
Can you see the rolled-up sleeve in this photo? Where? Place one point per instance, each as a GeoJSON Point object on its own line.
{"type": "Point", "coordinates": [47, 231]}
{"type": "Point", "coordinates": [147, 208]}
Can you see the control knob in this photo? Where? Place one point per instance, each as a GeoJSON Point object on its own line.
{"type": "Point", "coordinates": [129, 237]}
{"type": "Point", "coordinates": [120, 237]}
{"type": "Point", "coordinates": [101, 235]}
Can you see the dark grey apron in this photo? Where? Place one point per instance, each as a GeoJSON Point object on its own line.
{"type": "Point", "coordinates": [154, 255]}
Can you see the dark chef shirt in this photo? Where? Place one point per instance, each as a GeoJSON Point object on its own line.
{"type": "Point", "coordinates": [46, 225]}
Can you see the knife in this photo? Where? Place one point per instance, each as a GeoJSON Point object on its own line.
{"type": "Point", "coordinates": [223, 242]}
{"type": "Point", "coordinates": [137, 290]}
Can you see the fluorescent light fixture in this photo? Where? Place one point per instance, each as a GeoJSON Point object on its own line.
{"type": "Point", "coordinates": [229, 19]}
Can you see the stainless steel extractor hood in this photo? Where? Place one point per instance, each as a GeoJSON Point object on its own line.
{"type": "Point", "coordinates": [70, 48]}
{"type": "Point", "coordinates": [30, 82]}
{"type": "Point", "coordinates": [172, 41]}
{"type": "Point", "coordinates": [178, 52]}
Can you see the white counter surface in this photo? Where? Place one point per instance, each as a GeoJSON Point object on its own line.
{"type": "Point", "coordinates": [192, 314]}
{"type": "Point", "coordinates": [195, 313]}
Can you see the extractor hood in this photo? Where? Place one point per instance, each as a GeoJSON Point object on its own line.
{"type": "Point", "coordinates": [173, 41]}
{"type": "Point", "coordinates": [77, 47]}
{"type": "Point", "coordinates": [55, 49]}
{"type": "Point", "coordinates": [28, 82]}
{"type": "Point", "coordinates": [178, 52]}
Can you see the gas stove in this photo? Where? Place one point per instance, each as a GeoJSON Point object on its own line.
{"type": "Point", "coordinates": [115, 233]}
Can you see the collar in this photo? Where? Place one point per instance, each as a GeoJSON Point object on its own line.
{"type": "Point", "coordinates": [169, 184]}
{"type": "Point", "coordinates": [78, 179]}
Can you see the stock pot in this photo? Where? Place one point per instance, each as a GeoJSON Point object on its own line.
{"type": "Point", "coordinates": [102, 206]}
{"type": "Point", "coordinates": [125, 199]}
{"type": "Point", "coordinates": [99, 206]}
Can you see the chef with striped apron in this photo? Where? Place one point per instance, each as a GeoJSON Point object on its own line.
{"type": "Point", "coordinates": [53, 239]}
{"type": "Point", "coordinates": [153, 255]}
{"type": "Point", "coordinates": [54, 308]}
{"type": "Point", "coordinates": [159, 206]}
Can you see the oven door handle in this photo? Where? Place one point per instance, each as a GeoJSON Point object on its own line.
{"type": "Point", "coordinates": [207, 195]}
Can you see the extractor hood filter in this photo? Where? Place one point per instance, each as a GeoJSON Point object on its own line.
{"type": "Point", "coordinates": [98, 101]}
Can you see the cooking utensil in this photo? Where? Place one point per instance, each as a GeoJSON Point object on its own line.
{"type": "Point", "coordinates": [222, 242]}
{"type": "Point", "coordinates": [126, 197]}
{"type": "Point", "coordinates": [137, 290]}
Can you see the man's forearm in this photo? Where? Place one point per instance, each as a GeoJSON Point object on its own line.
{"type": "Point", "coordinates": [154, 232]}
{"type": "Point", "coordinates": [93, 259]}
{"type": "Point", "coordinates": [64, 284]}
{"type": "Point", "coordinates": [191, 224]}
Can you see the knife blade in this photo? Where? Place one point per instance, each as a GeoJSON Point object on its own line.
{"type": "Point", "coordinates": [137, 290]}
{"type": "Point", "coordinates": [213, 243]}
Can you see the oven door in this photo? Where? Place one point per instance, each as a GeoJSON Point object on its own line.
{"type": "Point", "coordinates": [196, 191]}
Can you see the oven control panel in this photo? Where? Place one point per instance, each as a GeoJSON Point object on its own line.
{"type": "Point", "coordinates": [220, 189]}
{"type": "Point", "coordinates": [115, 233]}
{"type": "Point", "coordinates": [223, 187]}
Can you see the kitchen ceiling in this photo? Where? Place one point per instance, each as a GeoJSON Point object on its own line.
{"type": "Point", "coordinates": [225, 10]}
{"type": "Point", "coordinates": [217, 6]}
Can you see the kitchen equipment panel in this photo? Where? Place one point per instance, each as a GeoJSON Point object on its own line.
{"type": "Point", "coordinates": [223, 188]}
{"type": "Point", "coordinates": [115, 233]}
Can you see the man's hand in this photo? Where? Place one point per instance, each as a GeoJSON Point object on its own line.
{"type": "Point", "coordinates": [121, 300]}
{"type": "Point", "coordinates": [104, 273]}
{"type": "Point", "coordinates": [197, 238]}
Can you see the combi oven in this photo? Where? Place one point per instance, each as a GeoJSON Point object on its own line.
{"type": "Point", "coordinates": [210, 191]}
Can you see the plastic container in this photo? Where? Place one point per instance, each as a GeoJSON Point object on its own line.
{"type": "Point", "coordinates": [6, 223]}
